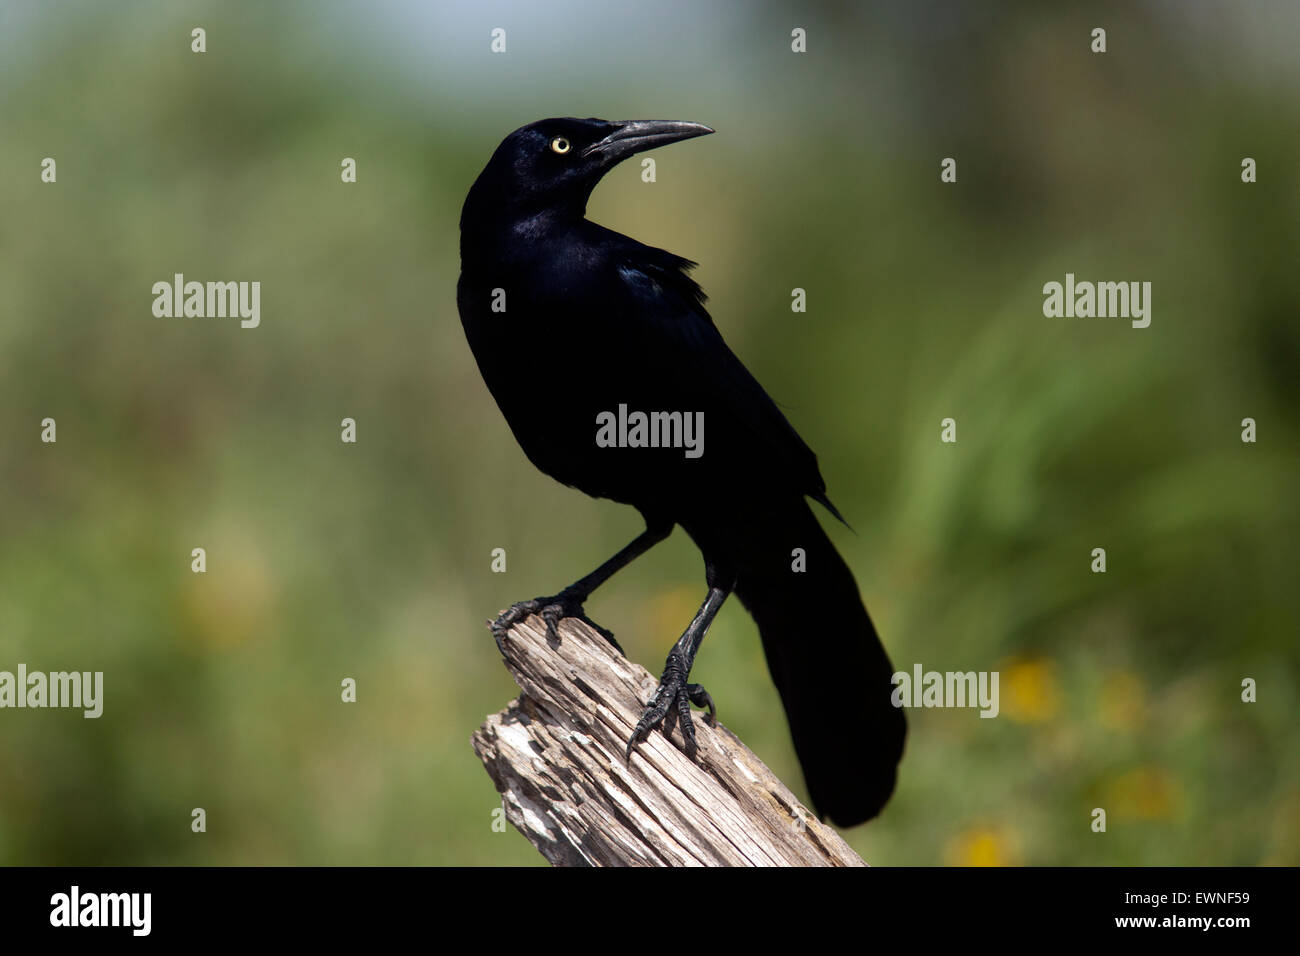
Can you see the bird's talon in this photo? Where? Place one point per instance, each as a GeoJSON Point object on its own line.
{"type": "Point", "coordinates": [700, 698]}
{"type": "Point", "coordinates": [670, 705]}
{"type": "Point", "coordinates": [552, 610]}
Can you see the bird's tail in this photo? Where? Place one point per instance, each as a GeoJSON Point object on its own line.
{"type": "Point", "coordinates": [829, 666]}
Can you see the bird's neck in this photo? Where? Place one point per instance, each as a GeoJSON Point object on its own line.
{"type": "Point", "coordinates": [518, 235]}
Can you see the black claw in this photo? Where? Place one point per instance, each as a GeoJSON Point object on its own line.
{"type": "Point", "coordinates": [509, 617]}
{"type": "Point", "coordinates": [684, 717]}
{"type": "Point", "coordinates": [552, 611]}
{"type": "Point", "coordinates": [551, 617]}
{"type": "Point", "coordinates": [671, 706]}
{"type": "Point", "coordinates": [669, 722]}
{"type": "Point", "coordinates": [700, 698]}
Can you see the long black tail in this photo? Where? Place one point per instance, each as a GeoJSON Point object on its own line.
{"type": "Point", "coordinates": [828, 664]}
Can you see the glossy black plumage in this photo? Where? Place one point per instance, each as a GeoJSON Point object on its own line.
{"type": "Point", "coordinates": [587, 320]}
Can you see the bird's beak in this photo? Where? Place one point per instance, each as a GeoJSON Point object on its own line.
{"type": "Point", "coordinates": [636, 136]}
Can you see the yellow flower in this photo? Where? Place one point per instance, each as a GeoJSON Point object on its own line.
{"type": "Point", "coordinates": [981, 846]}
{"type": "Point", "coordinates": [1030, 692]}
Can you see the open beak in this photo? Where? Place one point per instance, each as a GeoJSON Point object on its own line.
{"type": "Point", "coordinates": [636, 136]}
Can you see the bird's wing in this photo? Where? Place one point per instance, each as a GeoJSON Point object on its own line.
{"type": "Point", "coordinates": [669, 304]}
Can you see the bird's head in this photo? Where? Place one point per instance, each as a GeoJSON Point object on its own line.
{"type": "Point", "coordinates": [554, 164]}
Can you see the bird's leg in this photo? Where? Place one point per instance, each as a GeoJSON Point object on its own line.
{"type": "Point", "coordinates": [569, 602]}
{"type": "Point", "coordinates": [672, 701]}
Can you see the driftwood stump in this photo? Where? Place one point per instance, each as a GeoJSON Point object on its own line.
{"type": "Point", "coordinates": [556, 754]}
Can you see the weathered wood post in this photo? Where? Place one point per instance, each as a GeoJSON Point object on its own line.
{"type": "Point", "coordinates": [556, 754]}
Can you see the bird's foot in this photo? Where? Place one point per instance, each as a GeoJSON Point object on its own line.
{"type": "Point", "coordinates": [552, 610]}
{"type": "Point", "coordinates": [671, 704]}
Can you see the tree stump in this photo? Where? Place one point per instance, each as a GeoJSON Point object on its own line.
{"type": "Point", "coordinates": [556, 754]}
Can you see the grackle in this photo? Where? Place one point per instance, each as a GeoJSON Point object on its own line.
{"type": "Point", "coordinates": [601, 356]}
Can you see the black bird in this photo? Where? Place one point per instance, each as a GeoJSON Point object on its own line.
{"type": "Point", "coordinates": [571, 323]}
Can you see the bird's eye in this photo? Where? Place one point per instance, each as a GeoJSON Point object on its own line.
{"type": "Point", "coordinates": [560, 145]}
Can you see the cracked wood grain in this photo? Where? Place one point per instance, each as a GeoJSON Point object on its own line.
{"type": "Point", "coordinates": [556, 755]}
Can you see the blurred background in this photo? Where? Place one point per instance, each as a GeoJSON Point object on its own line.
{"type": "Point", "coordinates": [372, 561]}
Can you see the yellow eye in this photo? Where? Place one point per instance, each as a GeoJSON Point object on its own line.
{"type": "Point", "coordinates": [560, 145]}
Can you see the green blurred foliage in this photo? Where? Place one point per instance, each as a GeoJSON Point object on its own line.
{"type": "Point", "coordinates": [371, 561]}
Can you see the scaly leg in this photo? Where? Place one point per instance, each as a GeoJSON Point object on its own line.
{"type": "Point", "coordinates": [569, 602]}
{"type": "Point", "coordinates": [673, 699]}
